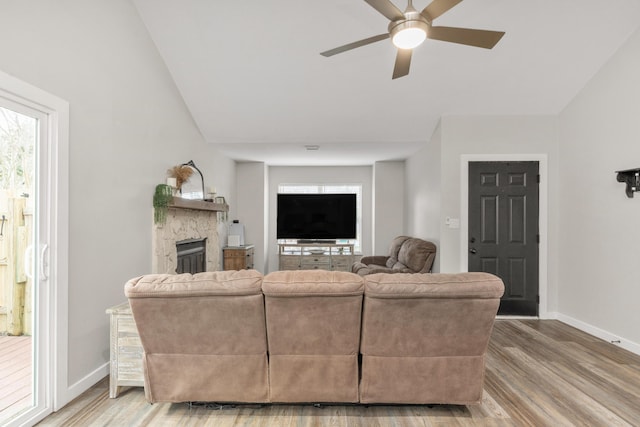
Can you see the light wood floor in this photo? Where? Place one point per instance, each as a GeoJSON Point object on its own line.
{"type": "Point", "coordinates": [539, 373]}
{"type": "Point", "coordinates": [15, 374]}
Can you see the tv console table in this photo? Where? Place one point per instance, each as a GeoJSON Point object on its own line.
{"type": "Point", "coordinates": [315, 256]}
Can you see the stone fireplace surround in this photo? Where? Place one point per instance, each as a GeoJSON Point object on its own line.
{"type": "Point", "coordinates": [186, 219]}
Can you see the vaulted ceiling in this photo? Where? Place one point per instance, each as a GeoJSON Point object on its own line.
{"type": "Point", "coordinates": [251, 74]}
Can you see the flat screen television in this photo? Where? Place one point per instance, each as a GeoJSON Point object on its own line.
{"type": "Point", "coordinates": [316, 216]}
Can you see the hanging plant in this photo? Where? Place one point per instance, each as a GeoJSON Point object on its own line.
{"type": "Point", "coordinates": [161, 199]}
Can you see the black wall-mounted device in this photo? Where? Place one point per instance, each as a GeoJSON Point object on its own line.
{"type": "Point", "coordinates": [632, 178]}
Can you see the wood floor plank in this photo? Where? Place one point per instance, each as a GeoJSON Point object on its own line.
{"type": "Point", "coordinates": [538, 373]}
{"type": "Point", "coordinates": [575, 405]}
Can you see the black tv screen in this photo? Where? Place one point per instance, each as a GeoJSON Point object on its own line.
{"type": "Point", "coordinates": [316, 216]}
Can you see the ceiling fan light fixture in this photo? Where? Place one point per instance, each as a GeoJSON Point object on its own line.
{"type": "Point", "coordinates": [409, 34]}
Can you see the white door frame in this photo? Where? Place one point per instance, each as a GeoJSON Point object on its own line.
{"type": "Point", "coordinates": [53, 327]}
{"type": "Point", "coordinates": [543, 217]}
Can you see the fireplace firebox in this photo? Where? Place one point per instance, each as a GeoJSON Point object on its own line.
{"type": "Point", "coordinates": [192, 256]}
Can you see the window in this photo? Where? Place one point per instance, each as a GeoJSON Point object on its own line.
{"type": "Point", "coordinates": [332, 189]}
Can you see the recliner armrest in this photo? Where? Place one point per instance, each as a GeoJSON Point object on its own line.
{"type": "Point", "coordinates": [375, 259]}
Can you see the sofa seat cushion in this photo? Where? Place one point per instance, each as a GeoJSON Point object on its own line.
{"type": "Point", "coordinates": [365, 269]}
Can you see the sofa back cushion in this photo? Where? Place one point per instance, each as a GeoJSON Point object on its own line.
{"type": "Point", "coordinates": [394, 248]}
{"type": "Point", "coordinates": [206, 308]}
{"type": "Point", "coordinates": [203, 335]}
{"type": "Point", "coordinates": [424, 336]}
{"type": "Point", "coordinates": [313, 330]}
{"type": "Point", "coordinates": [417, 255]}
{"type": "Point", "coordinates": [435, 310]}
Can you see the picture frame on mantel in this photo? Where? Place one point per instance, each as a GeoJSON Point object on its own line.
{"type": "Point", "coordinates": [222, 216]}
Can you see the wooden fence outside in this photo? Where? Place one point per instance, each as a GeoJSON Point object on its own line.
{"type": "Point", "coordinates": [16, 229]}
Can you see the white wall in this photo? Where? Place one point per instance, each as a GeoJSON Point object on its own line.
{"type": "Point", "coordinates": [388, 204]}
{"type": "Point", "coordinates": [252, 195]}
{"type": "Point", "coordinates": [599, 134]}
{"type": "Point", "coordinates": [128, 125]}
{"type": "Point", "coordinates": [319, 175]}
{"type": "Point", "coordinates": [423, 193]}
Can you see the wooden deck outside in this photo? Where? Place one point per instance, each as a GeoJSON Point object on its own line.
{"type": "Point", "coordinates": [15, 374]}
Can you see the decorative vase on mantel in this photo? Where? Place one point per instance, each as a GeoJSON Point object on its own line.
{"type": "Point", "coordinates": [161, 199]}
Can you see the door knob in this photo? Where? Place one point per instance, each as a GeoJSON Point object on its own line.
{"type": "Point", "coordinates": [473, 250]}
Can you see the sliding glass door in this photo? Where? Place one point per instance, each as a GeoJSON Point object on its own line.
{"type": "Point", "coordinates": [24, 295]}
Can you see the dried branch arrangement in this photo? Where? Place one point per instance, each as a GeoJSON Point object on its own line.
{"type": "Point", "coordinates": [181, 174]}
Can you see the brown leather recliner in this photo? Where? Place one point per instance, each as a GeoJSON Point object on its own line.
{"type": "Point", "coordinates": [406, 255]}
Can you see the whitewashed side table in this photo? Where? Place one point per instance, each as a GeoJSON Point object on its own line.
{"type": "Point", "coordinates": [126, 350]}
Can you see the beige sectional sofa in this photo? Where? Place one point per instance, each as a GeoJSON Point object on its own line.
{"type": "Point", "coordinates": [314, 336]}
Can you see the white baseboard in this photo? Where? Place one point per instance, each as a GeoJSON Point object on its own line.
{"type": "Point", "coordinates": [549, 315]}
{"type": "Point", "coordinates": [600, 333]}
{"type": "Point", "coordinates": [81, 386]}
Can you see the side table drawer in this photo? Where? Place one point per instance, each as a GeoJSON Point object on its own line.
{"type": "Point", "coordinates": [129, 351]}
{"type": "Point", "coordinates": [238, 258]}
{"type": "Point", "coordinates": [126, 350]}
{"type": "Point", "coordinates": [341, 263]}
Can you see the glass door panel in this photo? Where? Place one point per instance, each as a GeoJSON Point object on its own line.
{"type": "Point", "coordinates": [20, 266]}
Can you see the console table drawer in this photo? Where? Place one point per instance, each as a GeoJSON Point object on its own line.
{"type": "Point", "coordinates": [342, 263]}
{"type": "Point", "coordinates": [316, 256]}
{"type": "Point", "coordinates": [319, 262]}
{"type": "Point", "coordinates": [289, 262]}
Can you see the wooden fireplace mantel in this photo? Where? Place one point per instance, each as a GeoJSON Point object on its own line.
{"type": "Point", "coordinates": [199, 205]}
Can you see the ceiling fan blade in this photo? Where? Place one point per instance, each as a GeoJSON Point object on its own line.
{"type": "Point", "coordinates": [467, 36]}
{"type": "Point", "coordinates": [403, 61]}
{"type": "Point", "coordinates": [437, 8]}
{"type": "Point", "coordinates": [386, 8]}
{"type": "Point", "coordinates": [354, 45]}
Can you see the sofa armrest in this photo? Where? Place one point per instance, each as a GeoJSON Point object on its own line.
{"type": "Point", "coordinates": [375, 259]}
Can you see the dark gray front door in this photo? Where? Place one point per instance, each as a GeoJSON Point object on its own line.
{"type": "Point", "coordinates": [503, 230]}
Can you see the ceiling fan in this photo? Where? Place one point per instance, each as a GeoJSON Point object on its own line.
{"type": "Point", "coordinates": [409, 29]}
